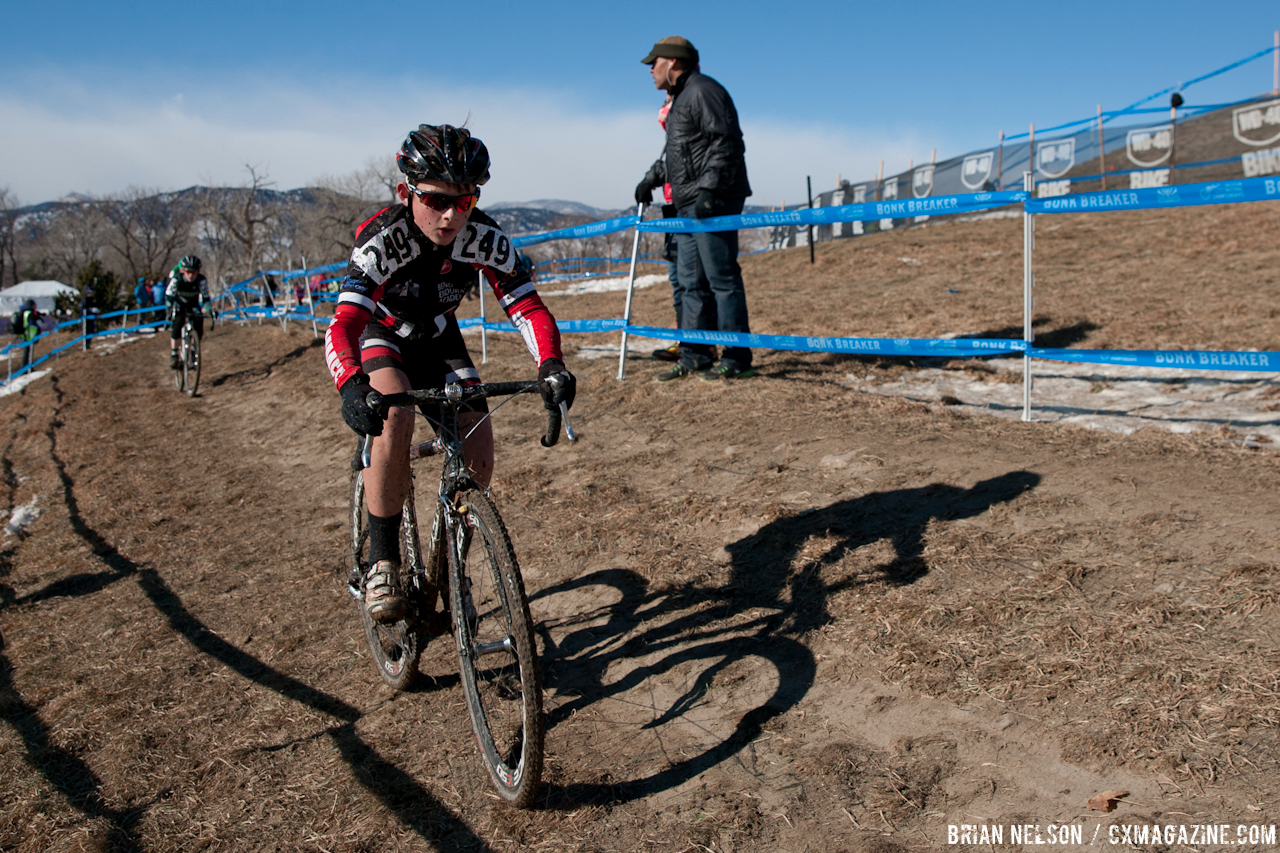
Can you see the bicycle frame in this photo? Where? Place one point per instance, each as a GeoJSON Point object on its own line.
{"type": "Point", "coordinates": [471, 568]}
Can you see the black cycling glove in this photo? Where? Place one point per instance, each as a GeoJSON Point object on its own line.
{"type": "Point", "coordinates": [355, 408]}
{"type": "Point", "coordinates": [562, 386]}
{"type": "Point", "coordinates": [704, 207]}
{"type": "Point", "coordinates": [644, 193]}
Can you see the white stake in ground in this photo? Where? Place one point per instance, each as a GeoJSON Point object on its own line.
{"type": "Point", "coordinates": [631, 287]}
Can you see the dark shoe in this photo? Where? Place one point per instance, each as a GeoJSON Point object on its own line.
{"type": "Point", "coordinates": [174, 362]}
{"type": "Point", "coordinates": [671, 353]}
{"type": "Point", "coordinates": [728, 371]}
{"type": "Point", "coordinates": [383, 600]}
{"type": "Point", "coordinates": [677, 371]}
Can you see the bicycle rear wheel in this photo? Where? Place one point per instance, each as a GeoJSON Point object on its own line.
{"type": "Point", "coordinates": [395, 647]}
{"type": "Point", "coordinates": [496, 652]}
{"type": "Point", "coordinates": [191, 359]}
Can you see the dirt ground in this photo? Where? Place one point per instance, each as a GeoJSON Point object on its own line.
{"type": "Point", "coordinates": [779, 614]}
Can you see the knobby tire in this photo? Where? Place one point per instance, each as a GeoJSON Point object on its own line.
{"type": "Point", "coordinates": [191, 360]}
{"type": "Point", "coordinates": [497, 657]}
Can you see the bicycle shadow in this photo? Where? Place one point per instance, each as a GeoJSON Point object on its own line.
{"type": "Point", "coordinates": [664, 671]}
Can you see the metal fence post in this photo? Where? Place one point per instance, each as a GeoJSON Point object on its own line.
{"type": "Point", "coordinates": [1028, 297]}
{"type": "Point", "coordinates": [631, 287]}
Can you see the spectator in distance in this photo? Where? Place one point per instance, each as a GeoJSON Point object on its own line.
{"type": "Point", "coordinates": [705, 165]}
{"type": "Point", "coordinates": [26, 325]}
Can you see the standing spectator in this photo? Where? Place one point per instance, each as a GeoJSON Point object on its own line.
{"type": "Point", "coordinates": [671, 253]}
{"type": "Point", "coordinates": [142, 294]}
{"type": "Point", "coordinates": [157, 292]}
{"type": "Point", "coordinates": [705, 166]}
{"type": "Point", "coordinates": [26, 325]}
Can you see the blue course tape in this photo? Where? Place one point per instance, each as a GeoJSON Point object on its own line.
{"type": "Point", "coordinates": [1179, 195]}
{"type": "Point", "coordinates": [1261, 362]}
{"type": "Point", "coordinates": [952, 348]}
{"type": "Point", "coordinates": [865, 212]}
{"type": "Point", "coordinates": [591, 229]}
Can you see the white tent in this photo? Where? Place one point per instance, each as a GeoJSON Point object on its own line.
{"type": "Point", "coordinates": [43, 292]}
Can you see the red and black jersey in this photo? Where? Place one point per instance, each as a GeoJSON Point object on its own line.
{"type": "Point", "coordinates": [401, 280]}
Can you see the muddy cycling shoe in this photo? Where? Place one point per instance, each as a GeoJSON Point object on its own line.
{"type": "Point", "coordinates": [174, 362]}
{"type": "Point", "coordinates": [383, 600]}
{"type": "Point", "coordinates": [671, 353]}
{"type": "Point", "coordinates": [728, 371]}
{"type": "Point", "coordinates": [676, 371]}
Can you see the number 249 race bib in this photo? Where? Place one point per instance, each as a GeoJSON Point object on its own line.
{"type": "Point", "coordinates": [483, 244]}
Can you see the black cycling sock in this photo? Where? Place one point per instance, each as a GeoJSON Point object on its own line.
{"type": "Point", "coordinates": [384, 538]}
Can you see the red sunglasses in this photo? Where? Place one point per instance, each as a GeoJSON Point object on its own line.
{"type": "Point", "coordinates": [440, 202]}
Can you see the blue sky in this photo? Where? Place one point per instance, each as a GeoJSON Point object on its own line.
{"type": "Point", "coordinates": [96, 97]}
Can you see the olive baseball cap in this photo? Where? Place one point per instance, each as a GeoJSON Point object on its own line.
{"type": "Point", "coordinates": [672, 47]}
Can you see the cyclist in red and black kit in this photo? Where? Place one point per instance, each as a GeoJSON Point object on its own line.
{"type": "Point", "coordinates": [394, 327]}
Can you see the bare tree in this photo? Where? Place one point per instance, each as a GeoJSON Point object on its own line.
{"type": "Point", "coordinates": [8, 237]}
{"type": "Point", "coordinates": [236, 224]}
{"type": "Point", "coordinates": [71, 239]}
{"type": "Point", "coordinates": [147, 229]}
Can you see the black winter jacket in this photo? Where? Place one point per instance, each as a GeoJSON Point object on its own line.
{"type": "Point", "coordinates": [704, 144]}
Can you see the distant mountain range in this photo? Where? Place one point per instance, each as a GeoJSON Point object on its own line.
{"type": "Point", "coordinates": [515, 217]}
{"type": "Point", "coordinates": [555, 205]}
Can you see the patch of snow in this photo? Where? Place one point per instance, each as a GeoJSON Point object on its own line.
{"type": "Point", "coordinates": [1115, 398]}
{"type": "Point", "coordinates": [16, 385]}
{"type": "Point", "coordinates": [21, 518]}
{"type": "Point", "coordinates": [607, 285]}
{"type": "Point", "coordinates": [910, 261]}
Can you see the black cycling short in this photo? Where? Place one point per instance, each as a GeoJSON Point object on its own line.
{"type": "Point", "coordinates": [181, 311]}
{"type": "Point", "coordinates": [427, 362]}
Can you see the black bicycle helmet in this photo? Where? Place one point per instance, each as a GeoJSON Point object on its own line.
{"type": "Point", "coordinates": [189, 262]}
{"type": "Point", "coordinates": [444, 153]}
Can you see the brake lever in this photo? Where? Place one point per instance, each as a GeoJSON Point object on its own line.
{"type": "Point", "coordinates": [568, 424]}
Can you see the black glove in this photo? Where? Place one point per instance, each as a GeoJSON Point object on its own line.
{"type": "Point", "coordinates": [644, 193]}
{"type": "Point", "coordinates": [558, 384]}
{"type": "Point", "coordinates": [704, 207]}
{"type": "Point", "coordinates": [355, 408]}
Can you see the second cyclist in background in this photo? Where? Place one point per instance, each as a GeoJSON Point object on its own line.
{"type": "Point", "coordinates": [394, 327]}
{"type": "Point", "coordinates": [186, 295]}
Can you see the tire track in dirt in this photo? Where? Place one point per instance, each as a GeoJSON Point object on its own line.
{"type": "Point", "coordinates": [75, 778]}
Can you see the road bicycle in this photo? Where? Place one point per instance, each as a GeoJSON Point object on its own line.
{"type": "Point", "coordinates": [186, 376]}
{"type": "Point", "coordinates": [470, 568]}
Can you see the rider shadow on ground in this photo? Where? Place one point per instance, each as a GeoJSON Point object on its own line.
{"type": "Point", "coordinates": [765, 611]}
{"type": "Point", "coordinates": [399, 792]}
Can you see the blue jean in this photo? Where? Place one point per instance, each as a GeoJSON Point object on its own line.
{"type": "Point", "coordinates": [673, 274]}
{"type": "Point", "coordinates": [712, 298]}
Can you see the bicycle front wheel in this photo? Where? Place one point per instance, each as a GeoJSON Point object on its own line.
{"type": "Point", "coordinates": [179, 372]}
{"type": "Point", "coordinates": [192, 361]}
{"type": "Point", "coordinates": [496, 652]}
